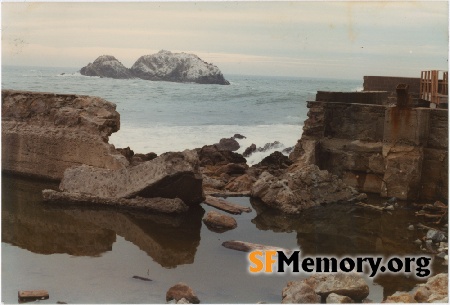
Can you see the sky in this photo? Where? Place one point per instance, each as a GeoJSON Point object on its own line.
{"type": "Point", "coordinates": [305, 39]}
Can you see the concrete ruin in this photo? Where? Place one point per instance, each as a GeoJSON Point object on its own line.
{"type": "Point", "coordinates": [377, 145]}
{"type": "Point", "coordinates": [43, 134]}
{"type": "Point", "coordinates": [64, 137]}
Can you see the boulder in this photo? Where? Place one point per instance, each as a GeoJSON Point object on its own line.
{"type": "Point", "coordinates": [177, 67]}
{"type": "Point", "coordinates": [171, 175]}
{"type": "Point", "coordinates": [240, 184]}
{"type": "Point", "coordinates": [351, 285]}
{"type": "Point", "coordinates": [249, 150]}
{"type": "Point", "coordinates": [400, 297]}
{"type": "Point", "coordinates": [301, 187]}
{"type": "Point", "coordinates": [299, 292]}
{"type": "Point", "coordinates": [319, 287]}
{"type": "Point", "coordinates": [228, 144]}
{"type": "Point", "coordinates": [435, 290]}
{"type": "Point", "coordinates": [334, 298]}
{"type": "Point", "coordinates": [180, 291]}
{"type": "Point", "coordinates": [107, 66]}
{"type": "Point", "coordinates": [212, 155]}
{"type": "Point", "coordinates": [275, 163]}
{"type": "Point", "coordinates": [219, 222]}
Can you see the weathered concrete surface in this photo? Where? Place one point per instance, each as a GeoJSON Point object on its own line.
{"type": "Point", "coordinates": [171, 175]}
{"type": "Point", "coordinates": [392, 151]}
{"type": "Point", "coordinates": [45, 133]}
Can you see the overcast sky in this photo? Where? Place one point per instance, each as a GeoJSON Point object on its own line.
{"type": "Point", "coordinates": [316, 39]}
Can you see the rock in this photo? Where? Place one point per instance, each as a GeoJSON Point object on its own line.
{"type": "Point", "coordinates": [345, 284]}
{"type": "Point", "coordinates": [126, 152]}
{"type": "Point", "coordinates": [389, 208]}
{"type": "Point", "coordinates": [171, 175]}
{"type": "Point", "coordinates": [183, 301]}
{"type": "Point", "coordinates": [334, 298]}
{"type": "Point", "coordinates": [177, 67]}
{"type": "Point", "coordinates": [400, 297]}
{"type": "Point", "coordinates": [43, 134]}
{"type": "Point", "coordinates": [268, 146]}
{"type": "Point", "coordinates": [219, 222]}
{"type": "Point", "coordinates": [411, 227]}
{"type": "Point", "coordinates": [249, 150]}
{"type": "Point", "coordinates": [275, 161]}
{"type": "Point", "coordinates": [156, 204]}
{"type": "Point", "coordinates": [32, 295]}
{"type": "Point", "coordinates": [226, 206]}
{"type": "Point", "coordinates": [435, 290]}
{"type": "Point", "coordinates": [240, 184]}
{"type": "Point", "coordinates": [228, 144]}
{"type": "Point", "coordinates": [212, 183]}
{"type": "Point", "coordinates": [211, 155]}
{"type": "Point", "coordinates": [106, 66]}
{"type": "Point", "coordinates": [231, 169]}
{"type": "Point", "coordinates": [299, 292]}
{"type": "Point", "coordinates": [439, 204]}
{"type": "Point", "coordinates": [180, 291]}
{"type": "Point", "coordinates": [392, 200]}
{"type": "Point", "coordinates": [435, 236]}
{"type": "Point", "coordinates": [418, 242]}
{"type": "Point", "coordinates": [300, 188]}
{"type": "Point", "coordinates": [239, 136]}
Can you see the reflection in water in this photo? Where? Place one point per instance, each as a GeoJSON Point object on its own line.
{"type": "Point", "coordinates": [343, 230]}
{"type": "Point", "coordinates": [46, 229]}
{"type": "Point", "coordinates": [27, 224]}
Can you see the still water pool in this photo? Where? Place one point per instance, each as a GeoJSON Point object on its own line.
{"type": "Point", "coordinates": [86, 255]}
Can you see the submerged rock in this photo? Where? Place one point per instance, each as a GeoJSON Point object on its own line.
{"type": "Point", "coordinates": [107, 66]}
{"type": "Point", "coordinates": [177, 67]}
{"type": "Point", "coordinates": [301, 187]}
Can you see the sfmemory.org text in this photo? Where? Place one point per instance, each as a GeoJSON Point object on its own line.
{"type": "Point", "coordinates": [278, 262]}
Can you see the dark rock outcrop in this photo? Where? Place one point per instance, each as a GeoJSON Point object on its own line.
{"type": "Point", "coordinates": [212, 155]}
{"type": "Point", "coordinates": [177, 67]}
{"type": "Point", "coordinates": [107, 66]}
{"type": "Point", "coordinates": [228, 144]}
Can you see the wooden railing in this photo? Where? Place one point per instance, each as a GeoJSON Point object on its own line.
{"type": "Point", "coordinates": [433, 89]}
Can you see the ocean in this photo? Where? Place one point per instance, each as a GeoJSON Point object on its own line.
{"type": "Point", "coordinates": [164, 116]}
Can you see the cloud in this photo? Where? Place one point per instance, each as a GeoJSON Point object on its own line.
{"type": "Point", "coordinates": [241, 37]}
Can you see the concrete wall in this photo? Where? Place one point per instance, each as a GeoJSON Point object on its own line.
{"type": "Point", "coordinates": [389, 83]}
{"type": "Point", "coordinates": [45, 133]}
{"type": "Point", "coordinates": [392, 151]}
{"type": "Point", "coordinates": [373, 98]}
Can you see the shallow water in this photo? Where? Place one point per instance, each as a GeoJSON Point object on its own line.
{"type": "Point", "coordinates": [84, 255]}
